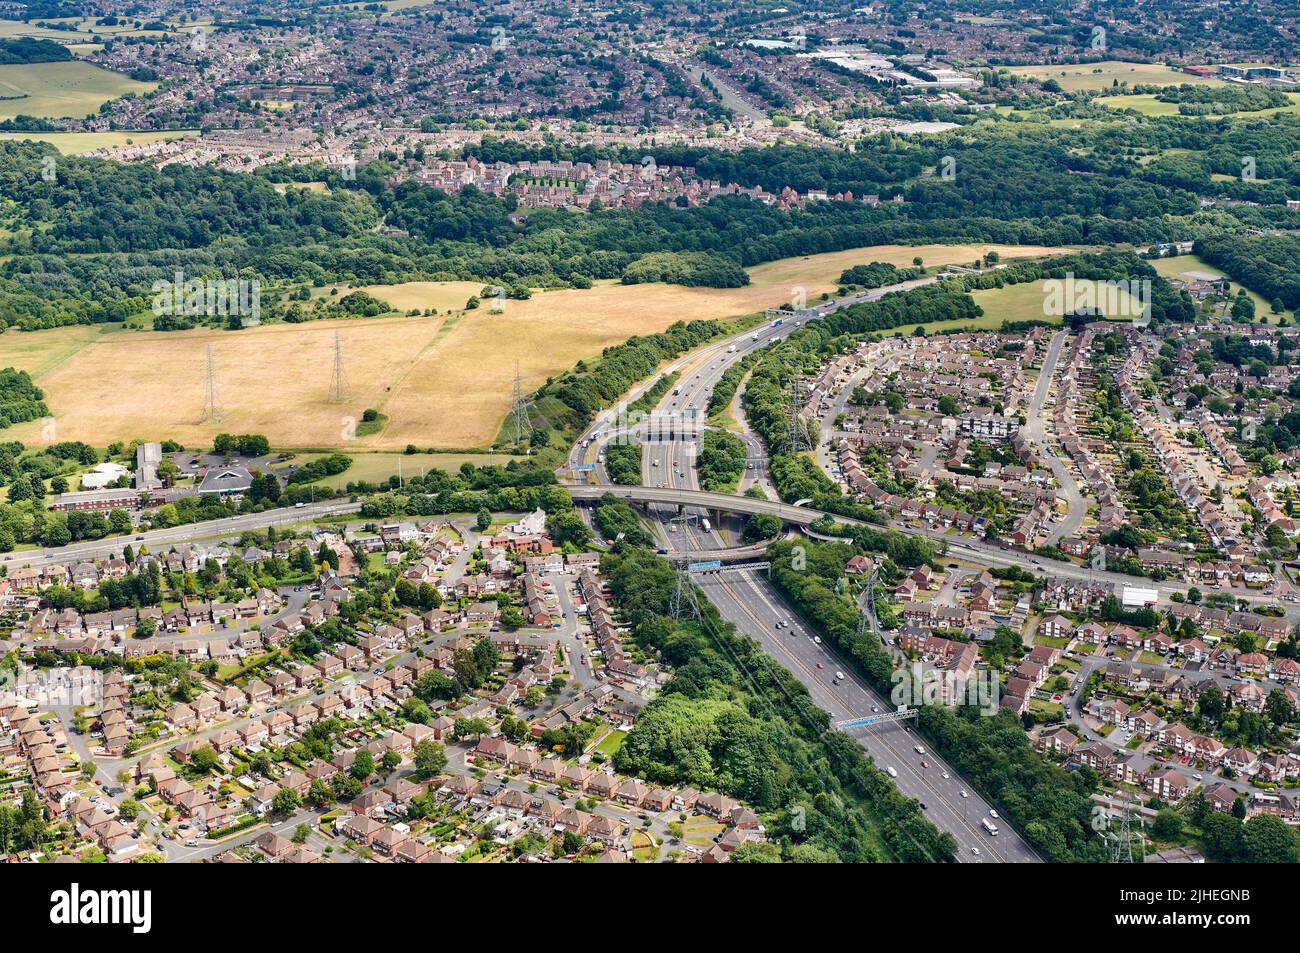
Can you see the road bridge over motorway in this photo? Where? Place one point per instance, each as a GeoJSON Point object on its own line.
{"type": "Point", "coordinates": [988, 554]}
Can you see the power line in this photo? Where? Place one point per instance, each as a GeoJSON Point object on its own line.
{"type": "Point", "coordinates": [519, 410]}
{"type": "Point", "coordinates": [339, 381]}
{"type": "Point", "coordinates": [797, 439]}
{"type": "Point", "coordinates": [212, 409]}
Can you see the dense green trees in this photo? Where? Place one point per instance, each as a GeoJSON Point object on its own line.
{"type": "Point", "coordinates": [27, 49]}
{"type": "Point", "coordinates": [720, 462]}
{"type": "Point", "coordinates": [1049, 805]}
{"type": "Point", "coordinates": [623, 463]}
{"type": "Point", "coordinates": [89, 249]}
{"type": "Point", "coordinates": [733, 720]}
{"type": "Point", "coordinates": [1267, 264]}
{"type": "Point", "coordinates": [20, 399]}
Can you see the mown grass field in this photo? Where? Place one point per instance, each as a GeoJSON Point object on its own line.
{"type": "Point", "coordinates": [71, 89]}
{"type": "Point", "coordinates": [1075, 77]}
{"type": "Point", "coordinates": [1188, 267]}
{"type": "Point", "coordinates": [443, 381]}
{"type": "Point", "coordinates": [1148, 105]}
{"type": "Point", "coordinates": [1021, 302]}
{"type": "Point", "coordinates": [378, 467]}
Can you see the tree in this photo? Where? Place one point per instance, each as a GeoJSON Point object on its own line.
{"type": "Point", "coordinates": [204, 759]}
{"type": "Point", "coordinates": [569, 528]}
{"type": "Point", "coordinates": [119, 521]}
{"type": "Point", "coordinates": [1280, 709]}
{"type": "Point", "coordinates": [319, 793]}
{"type": "Point", "coordinates": [430, 759]}
{"type": "Point", "coordinates": [1269, 840]}
{"type": "Point", "coordinates": [484, 519]}
{"type": "Point", "coordinates": [1168, 824]}
{"type": "Point", "coordinates": [1223, 836]}
{"type": "Point", "coordinates": [1211, 704]}
{"type": "Point", "coordinates": [286, 801]}
{"type": "Point", "coordinates": [363, 765]}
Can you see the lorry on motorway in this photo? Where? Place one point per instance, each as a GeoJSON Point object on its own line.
{"type": "Point", "coordinates": [707, 527]}
{"type": "Point", "coordinates": [990, 827]}
{"type": "Point", "coordinates": [732, 349]}
{"type": "Point", "coordinates": [777, 323]}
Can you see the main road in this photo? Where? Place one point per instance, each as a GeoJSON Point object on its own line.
{"type": "Point", "coordinates": [227, 528]}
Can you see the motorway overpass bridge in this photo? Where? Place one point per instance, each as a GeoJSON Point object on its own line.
{"type": "Point", "coordinates": [703, 499]}
{"type": "Point", "coordinates": [804, 516]}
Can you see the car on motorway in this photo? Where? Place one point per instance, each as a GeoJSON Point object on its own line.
{"type": "Point", "coordinates": [839, 676]}
{"type": "Point", "coordinates": [817, 639]}
{"type": "Point", "coordinates": [924, 806]}
{"type": "Point", "coordinates": [920, 749]}
{"type": "Point", "coordinates": [993, 813]}
{"type": "Point", "coordinates": [820, 665]}
{"type": "Point", "coordinates": [975, 851]}
{"type": "Point", "coordinates": [893, 773]}
{"type": "Point", "coordinates": [963, 793]}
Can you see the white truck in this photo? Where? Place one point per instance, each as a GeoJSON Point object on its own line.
{"type": "Point", "coordinates": [990, 827]}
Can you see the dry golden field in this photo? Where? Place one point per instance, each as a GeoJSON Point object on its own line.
{"type": "Point", "coordinates": [443, 381]}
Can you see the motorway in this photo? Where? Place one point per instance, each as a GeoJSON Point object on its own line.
{"type": "Point", "coordinates": [700, 370]}
{"type": "Point", "coordinates": [746, 600]}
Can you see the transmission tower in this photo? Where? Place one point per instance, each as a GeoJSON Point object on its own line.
{"type": "Point", "coordinates": [682, 604]}
{"type": "Point", "coordinates": [519, 410]}
{"type": "Point", "coordinates": [212, 409]}
{"type": "Point", "coordinates": [1122, 841]}
{"type": "Point", "coordinates": [796, 434]}
{"type": "Point", "coordinates": [339, 381]}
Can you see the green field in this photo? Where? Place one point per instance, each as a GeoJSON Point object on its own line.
{"type": "Point", "coordinates": [1093, 76]}
{"type": "Point", "coordinates": [1148, 105]}
{"type": "Point", "coordinates": [378, 467]}
{"type": "Point", "coordinates": [69, 90]}
{"type": "Point", "coordinates": [76, 143]}
{"type": "Point", "coordinates": [610, 744]}
{"type": "Point", "coordinates": [1187, 267]}
{"type": "Point", "coordinates": [1019, 302]}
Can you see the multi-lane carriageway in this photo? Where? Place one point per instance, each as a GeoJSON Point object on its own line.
{"type": "Point", "coordinates": [745, 599]}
